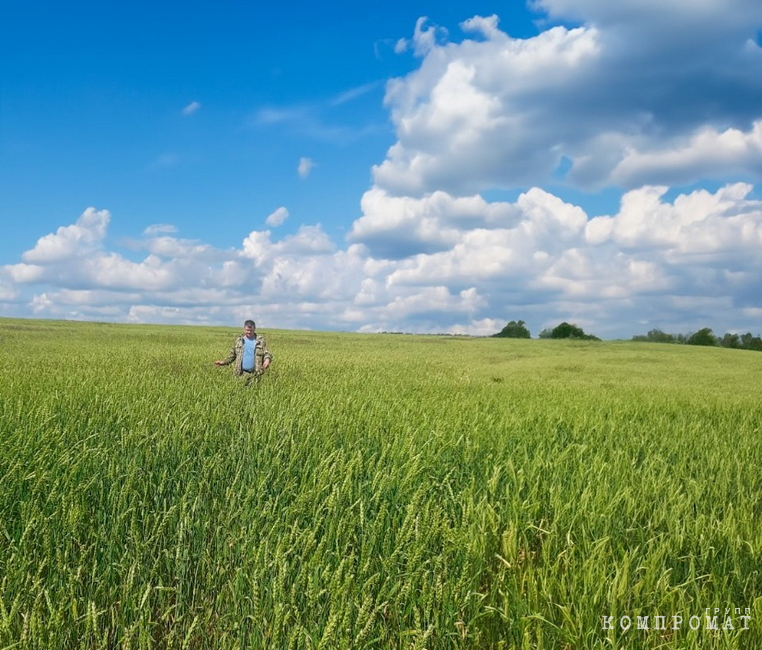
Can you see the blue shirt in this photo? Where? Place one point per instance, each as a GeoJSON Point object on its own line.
{"type": "Point", "coordinates": [249, 345]}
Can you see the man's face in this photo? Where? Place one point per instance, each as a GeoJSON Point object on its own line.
{"type": "Point", "coordinates": [249, 331]}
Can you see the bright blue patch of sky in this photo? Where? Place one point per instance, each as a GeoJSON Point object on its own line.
{"type": "Point", "coordinates": [563, 168]}
{"type": "Point", "coordinates": [93, 96]}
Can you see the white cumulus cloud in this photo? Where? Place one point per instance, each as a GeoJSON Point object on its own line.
{"type": "Point", "coordinates": [278, 217]}
{"type": "Point", "coordinates": [654, 263]}
{"type": "Point", "coordinates": [305, 167]}
{"type": "Point", "coordinates": [80, 238]}
{"type": "Point", "coordinates": [159, 228]}
{"type": "Point", "coordinates": [501, 112]}
{"type": "Point", "coordinates": [191, 108]}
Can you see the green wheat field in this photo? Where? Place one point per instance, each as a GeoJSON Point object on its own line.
{"type": "Point", "coordinates": [375, 491]}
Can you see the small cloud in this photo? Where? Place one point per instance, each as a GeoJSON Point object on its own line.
{"type": "Point", "coordinates": [401, 46]}
{"type": "Point", "coordinates": [277, 217]}
{"type": "Point", "coordinates": [487, 26]}
{"type": "Point", "coordinates": [305, 167]}
{"type": "Point", "coordinates": [41, 303]}
{"type": "Point", "coordinates": [425, 38]}
{"type": "Point", "coordinates": [268, 116]}
{"type": "Point", "coordinates": [191, 108]}
{"type": "Point", "coordinates": [160, 228]}
{"type": "Point", "coordinates": [354, 93]}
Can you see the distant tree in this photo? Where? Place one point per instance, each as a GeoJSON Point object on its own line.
{"type": "Point", "coordinates": [546, 333]}
{"type": "Point", "coordinates": [568, 331]}
{"type": "Point", "coordinates": [750, 342]}
{"type": "Point", "coordinates": [732, 341]}
{"type": "Point", "coordinates": [656, 336]}
{"type": "Point", "coordinates": [702, 337]}
{"type": "Point", "coordinates": [514, 330]}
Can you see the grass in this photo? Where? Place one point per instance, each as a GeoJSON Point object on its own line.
{"type": "Point", "coordinates": [373, 491]}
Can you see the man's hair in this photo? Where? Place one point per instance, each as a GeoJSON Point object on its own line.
{"type": "Point", "coordinates": [250, 323]}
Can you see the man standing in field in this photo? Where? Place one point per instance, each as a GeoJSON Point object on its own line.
{"type": "Point", "coordinates": [250, 354]}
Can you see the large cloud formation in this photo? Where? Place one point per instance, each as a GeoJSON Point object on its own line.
{"type": "Point", "coordinates": [637, 96]}
{"type": "Point", "coordinates": [638, 82]}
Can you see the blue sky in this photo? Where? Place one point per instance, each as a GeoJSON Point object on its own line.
{"type": "Point", "coordinates": [416, 166]}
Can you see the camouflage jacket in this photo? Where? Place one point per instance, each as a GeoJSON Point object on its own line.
{"type": "Point", "coordinates": [261, 353]}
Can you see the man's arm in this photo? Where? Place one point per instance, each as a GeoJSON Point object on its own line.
{"type": "Point", "coordinates": [229, 360]}
{"type": "Point", "coordinates": [267, 357]}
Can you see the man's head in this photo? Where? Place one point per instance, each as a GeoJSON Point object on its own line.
{"type": "Point", "coordinates": [249, 329]}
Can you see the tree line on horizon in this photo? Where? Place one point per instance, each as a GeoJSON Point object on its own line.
{"type": "Point", "coordinates": [705, 336]}
{"type": "Point", "coordinates": [519, 330]}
